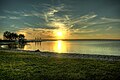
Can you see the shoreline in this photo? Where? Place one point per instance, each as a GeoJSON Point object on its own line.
{"type": "Point", "coordinates": [67, 55]}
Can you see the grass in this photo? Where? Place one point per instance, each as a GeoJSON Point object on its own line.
{"type": "Point", "coordinates": [24, 66]}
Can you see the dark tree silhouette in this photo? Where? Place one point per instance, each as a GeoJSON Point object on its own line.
{"type": "Point", "coordinates": [21, 36]}
{"type": "Point", "coordinates": [12, 36]}
{"type": "Point", "coordinates": [7, 35]}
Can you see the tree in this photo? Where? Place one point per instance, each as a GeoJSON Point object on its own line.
{"type": "Point", "coordinates": [21, 36]}
{"type": "Point", "coordinates": [11, 36]}
{"type": "Point", "coordinates": [14, 36]}
{"type": "Point", "coordinates": [7, 35]}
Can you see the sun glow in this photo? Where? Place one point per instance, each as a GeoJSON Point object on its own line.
{"type": "Point", "coordinates": [58, 24]}
{"type": "Point", "coordinates": [59, 33]}
{"type": "Point", "coordinates": [22, 33]}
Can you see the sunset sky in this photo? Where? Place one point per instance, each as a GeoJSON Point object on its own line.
{"type": "Point", "coordinates": [71, 19]}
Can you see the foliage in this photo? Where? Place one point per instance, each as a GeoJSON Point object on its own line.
{"type": "Point", "coordinates": [24, 66]}
{"type": "Point", "coordinates": [21, 36]}
{"type": "Point", "coordinates": [12, 36]}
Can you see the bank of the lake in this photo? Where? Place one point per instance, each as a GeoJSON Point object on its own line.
{"type": "Point", "coordinates": [27, 66]}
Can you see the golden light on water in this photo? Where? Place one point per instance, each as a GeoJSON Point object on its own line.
{"type": "Point", "coordinates": [60, 46]}
{"type": "Point", "coordinates": [56, 46]}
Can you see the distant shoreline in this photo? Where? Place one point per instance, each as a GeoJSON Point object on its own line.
{"type": "Point", "coordinates": [76, 40]}
{"type": "Point", "coordinates": [42, 40]}
{"type": "Point", "coordinates": [68, 55]}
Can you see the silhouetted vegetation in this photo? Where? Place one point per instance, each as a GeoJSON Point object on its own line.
{"type": "Point", "coordinates": [13, 36]}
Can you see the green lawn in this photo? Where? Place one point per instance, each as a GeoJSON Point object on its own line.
{"type": "Point", "coordinates": [24, 66]}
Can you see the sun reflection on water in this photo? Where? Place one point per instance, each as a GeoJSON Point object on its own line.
{"type": "Point", "coordinates": [60, 46]}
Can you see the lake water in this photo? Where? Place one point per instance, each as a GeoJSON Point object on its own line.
{"type": "Point", "coordinates": [81, 47]}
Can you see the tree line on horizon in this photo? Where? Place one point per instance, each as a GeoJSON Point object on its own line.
{"type": "Point", "coordinates": [13, 36]}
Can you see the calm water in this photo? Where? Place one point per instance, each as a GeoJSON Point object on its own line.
{"type": "Point", "coordinates": [81, 47]}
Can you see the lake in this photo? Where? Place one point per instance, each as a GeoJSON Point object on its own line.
{"type": "Point", "coordinates": [80, 47]}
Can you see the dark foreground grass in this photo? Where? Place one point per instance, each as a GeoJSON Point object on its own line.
{"type": "Point", "coordinates": [24, 66]}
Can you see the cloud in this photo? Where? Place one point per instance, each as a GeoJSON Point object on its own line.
{"type": "Point", "coordinates": [53, 19]}
{"type": "Point", "coordinates": [110, 19]}
{"type": "Point", "coordinates": [28, 24]}
{"type": "Point", "coordinates": [59, 17]}
{"type": "Point", "coordinates": [14, 17]}
{"type": "Point", "coordinates": [32, 14]}
{"type": "Point", "coordinates": [87, 17]}
{"type": "Point", "coordinates": [84, 27]}
{"type": "Point", "coordinates": [109, 28]}
{"type": "Point", "coordinates": [93, 22]}
{"type": "Point", "coordinates": [90, 31]}
{"type": "Point", "coordinates": [14, 26]}
{"type": "Point", "coordinates": [83, 18]}
{"type": "Point", "coordinates": [36, 33]}
{"type": "Point", "coordinates": [12, 12]}
{"type": "Point", "coordinates": [81, 24]}
{"type": "Point", "coordinates": [104, 21]}
{"type": "Point", "coordinates": [85, 31]}
{"type": "Point", "coordinates": [51, 12]}
{"type": "Point", "coordinates": [3, 17]}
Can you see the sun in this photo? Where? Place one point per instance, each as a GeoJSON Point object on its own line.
{"type": "Point", "coordinates": [59, 34]}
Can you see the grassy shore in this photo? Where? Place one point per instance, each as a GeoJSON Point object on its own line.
{"type": "Point", "coordinates": [25, 66]}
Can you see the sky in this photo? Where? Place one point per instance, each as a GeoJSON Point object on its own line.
{"type": "Point", "coordinates": [66, 19]}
